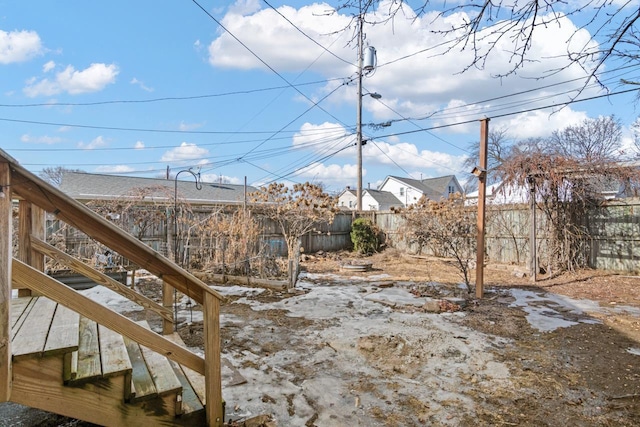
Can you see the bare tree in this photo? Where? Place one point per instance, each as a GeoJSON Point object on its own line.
{"type": "Point", "coordinates": [53, 175]}
{"type": "Point", "coordinates": [565, 187]}
{"type": "Point", "coordinates": [447, 227]}
{"type": "Point", "coordinates": [593, 140]}
{"type": "Point", "coordinates": [297, 211]}
{"type": "Point", "coordinates": [497, 28]}
{"type": "Point", "coordinates": [498, 149]}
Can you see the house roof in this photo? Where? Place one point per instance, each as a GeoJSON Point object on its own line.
{"type": "Point", "coordinates": [348, 190]}
{"type": "Point", "coordinates": [432, 188]}
{"type": "Point", "coordinates": [87, 186]}
{"type": "Point", "coordinates": [383, 197]}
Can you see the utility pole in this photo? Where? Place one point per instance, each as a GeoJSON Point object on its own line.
{"type": "Point", "coordinates": [359, 115]}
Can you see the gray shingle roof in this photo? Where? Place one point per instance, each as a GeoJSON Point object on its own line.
{"type": "Point", "coordinates": [384, 198]}
{"type": "Point", "coordinates": [433, 188]}
{"type": "Point", "coordinates": [87, 186]}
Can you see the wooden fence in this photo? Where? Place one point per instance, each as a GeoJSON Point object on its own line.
{"type": "Point", "coordinates": [614, 229]}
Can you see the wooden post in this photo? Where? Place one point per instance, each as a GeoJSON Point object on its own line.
{"type": "Point", "coordinates": [5, 281]}
{"type": "Point", "coordinates": [167, 301]}
{"type": "Point", "coordinates": [212, 366]}
{"type": "Point", "coordinates": [31, 222]}
{"type": "Point", "coordinates": [533, 250]}
{"type": "Point", "coordinates": [482, 189]}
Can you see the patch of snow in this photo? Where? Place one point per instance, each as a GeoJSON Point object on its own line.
{"type": "Point", "coordinates": [547, 312]}
{"type": "Point", "coordinates": [237, 290]}
{"type": "Point", "coordinates": [633, 350]}
{"type": "Point", "coordinates": [111, 299]}
{"type": "Point", "coordinates": [427, 356]}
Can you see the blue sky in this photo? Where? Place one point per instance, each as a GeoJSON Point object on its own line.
{"type": "Point", "coordinates": [134, 87]}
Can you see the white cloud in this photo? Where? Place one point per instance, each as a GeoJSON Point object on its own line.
{"type": "Point", "coordinates": [244, 7]}
{"type": "Point", "coordinates": [411, 157]}
{"type": "Point", "coordinates": [19, 46]}
{"type": "Point", "coordinates": [26, 138]}
{"type": "Point", "coordinates": [139, 145]}
{"type": "Point", "coordinates": [418, 77]}
{"type": "Point", "coordinates": [95, 143]}
{"type": "Point", "coordinates": [540, 123]}
{"type": "Point", "coordinates": [114, 169]}
{"type": "Point", "coordinates": [50, 65]}
{"type": "Point", "coordinates": [141, 84]}
{"type": "Point", "coordinates": [189, 126]}
{"type": "Point", "coordinates": [329, 174]}
{"type": "Point", "coordinates": [320, 136]}
{"type": "Point", "coordinates": [186, 152]}
{"type": "Point", "coordinates": [92, 79]}
{"type": "Point", "coordinates": [215, 178]}
{"type": "Point", "coordinates": [278, 42]}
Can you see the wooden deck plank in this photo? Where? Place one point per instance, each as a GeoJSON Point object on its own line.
{"type": "Point", "coordinates": [31, 338]}
{"type": "Point", "coordinates": [190, 400]}
{"type": "Point", "coordinates": [113, 352]}
{"type": "Point", "coordinates": [114, 357]}
{"type": "Point", "coordinates": [24, 275]}
{"type": "Point", "coordinates": [196, 379]}
{"type": "Point", "coordinates": [64, 333]}
{"type": "Point", "coordinates": [160, 369]}
{"type": "Point", "coordinates": [18, 306]}
{"type": "Point", "coordinates": [142, 383]}
{"type": "Point", "coordinates": [88, 351]}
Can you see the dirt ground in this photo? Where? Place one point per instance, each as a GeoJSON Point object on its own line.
{"type": "Point", "coordinates": [350, 349]}
{"type": "Point", "coordinates": [583, 374]}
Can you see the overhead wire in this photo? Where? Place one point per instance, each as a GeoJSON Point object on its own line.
{"type": "Point", "coordinates": [306, 35]}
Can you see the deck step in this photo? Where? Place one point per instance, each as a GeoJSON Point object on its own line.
{"type": "Point", "coordinates": [195, 380]}
{"type": "Point", "coordinates": [96, 358]}
{"type": "Point", "coordinates": [40, 327]}
{"type": "Point", "coordinates": [153, 374]}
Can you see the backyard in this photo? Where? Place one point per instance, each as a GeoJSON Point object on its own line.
{"type": "Point", "coordinates": [404, 345]}
{"type": "Point", "coordinates": [369, 348]}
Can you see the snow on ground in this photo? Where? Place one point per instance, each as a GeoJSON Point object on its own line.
{"type": "Point", "coordinates": [367, 350]}
{"type": "Point", "coordinates": [398, 355]}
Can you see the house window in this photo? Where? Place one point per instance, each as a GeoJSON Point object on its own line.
{"type": "Point", "coordinates": [452, 189]}
{"type": "Point", "coordinates": [350, 203]}
{"type": "Point", "coordinates": [402, 191]}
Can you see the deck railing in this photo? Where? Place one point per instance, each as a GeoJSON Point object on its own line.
{"type": "Point", "coordinates": [26, 273]}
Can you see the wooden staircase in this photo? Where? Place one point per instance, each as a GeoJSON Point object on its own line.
{"type": "Point", "coordinates": [64, 353]}
{"type": "Point", "coordinates": [69, 364]}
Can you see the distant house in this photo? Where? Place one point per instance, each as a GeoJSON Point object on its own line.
{"type": "Point", "coordinates": [399, 192]}
{"type": "Point", "coordinates": [504, 194]}
{"type": "Point", "coordinates": [348, 199]}
{"type": "Point", "coordinates": [376, 200]}
{"type": "Point", "coordinates": [500, 194]}
{"type": "Point", "coordinates": [372, 200]}
{"type": "Point", "coordinates": [409, 191]}
{"type": "Point", "coordinates": [86, 187]}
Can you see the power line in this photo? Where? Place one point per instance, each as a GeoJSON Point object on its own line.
{"type": "Point", "coordinates": [306, 35]}
{"type": "Point", "coordinates": [166, 98]}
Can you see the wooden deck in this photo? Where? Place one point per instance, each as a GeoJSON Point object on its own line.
{"type": "Point", "coordinates": [86, 363]}
{"type": "Point", "coordinates": [64, 353]}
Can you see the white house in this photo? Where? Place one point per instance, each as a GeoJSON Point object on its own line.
{"type": "Point", "coordinates": [372, 200]}
{"type": "Point", "coordinates": [399, 192]}
{"type": "Point", "coordinates": [348, 199]}
{"type": "Point", "coordinates": [500, 194]}
{"type": "Point", "coordinates": [376, 200]}
{"type": "Point", "coordinates": [409, 191]}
